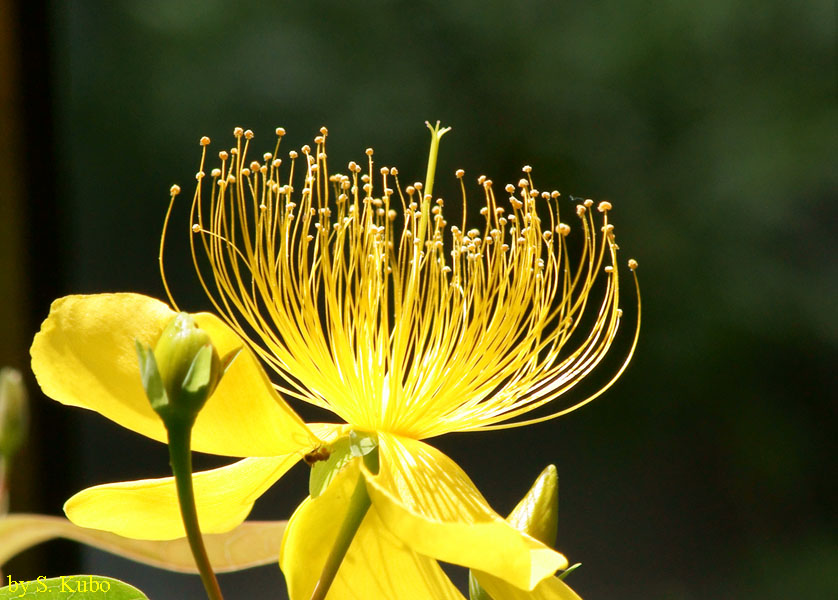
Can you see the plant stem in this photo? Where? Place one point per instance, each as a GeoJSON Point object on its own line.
{"type": "Point", "coordinates": [180, 458]}
{"type": "Point", "coordinates": [359, 504]}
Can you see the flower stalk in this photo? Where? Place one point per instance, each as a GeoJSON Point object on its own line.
{"type": "Point", "coordinates": [359, 504]}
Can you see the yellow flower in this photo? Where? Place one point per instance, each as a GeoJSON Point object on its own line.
{"type": "Point", "coordinates": [350, 289]}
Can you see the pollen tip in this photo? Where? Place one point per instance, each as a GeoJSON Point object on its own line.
{"type": "Point", "coordinates": [238, 131]}
{"type": "Point", "coordinates": [604, 206]}
{"type": "Point", "coordinates": [205, 141]}
{"type": "Point", "coordinates": [196, 228]}
{"type": "Point", "coordinates": [174, 190]}
{"type": "Point", "coordinates": [459, 173]}
{"type": "Point", "coordinates": [632, 264]}
{"type": "Point", "coordinates": [280, 131]}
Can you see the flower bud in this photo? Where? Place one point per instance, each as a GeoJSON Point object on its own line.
{"type": "Point", "coordinates": [182, 371]}
{"type": "Point", "coordinates": [537, 514]}
{"type": "Point", "coordinates": [14, 413]}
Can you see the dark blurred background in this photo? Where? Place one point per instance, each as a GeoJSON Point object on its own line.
{"type": "Point", "coordinates": [708, 471]}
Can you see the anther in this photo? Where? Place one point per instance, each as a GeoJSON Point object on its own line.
{"type": "Point", "coordinates": [609, 269]}
{"type": "Point", "coordinates": [368, 151]}
{"type": "Point", "coordinates": [205, 141]}
{"type": "Point", "coordinates": [280, 131]}
{"type": "Point", "coordinates": [384, 171]}
{"type": "Point", "coordinates": [306, 149]}
{"type": "Point", "coordinates": [604, 206]}
{"type": "Point", "coordinates": [223, 155]}
{"type": "Point", "coordinates": [481, 180]}
{"type": "Point", "coordinates": [199, 175]}
{"type": "Point", "coordinates": [580, 210]}
{"type": "Point", "coordinates": [174, 190]}
{"type": "Point", "coordinates": [293, 154]}
{"type": "Point", "coordinates": [459, 173]}
{"type": "Point", "coordinates": [632, 264]}
{"type": "Point", "coordinates": [527, 169]}
{"type": "Point", "coordinates": [238, 131]}
{"type": "Point", "coordinates": [588, 203]}
{"type": "Point", "coordinates": [248, 134]}
{"type": "Point", "coordinates": [196, 228]}
{"type": "Point", "coordinates": [324, 131]}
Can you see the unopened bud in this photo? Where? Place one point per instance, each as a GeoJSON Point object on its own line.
{"type": "Point", "coordinates": [182, 371]}
{"type": "Point", "coordinates": [537, 514]}
{"type": "Point", "coordinates": [14, 412]}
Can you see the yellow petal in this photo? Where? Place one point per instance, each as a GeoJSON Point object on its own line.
{"type": "Point", "coordinates": [432, 506]}
{"type": "Point", "coordinates": [251, 544]}
{"type": "Point", "coordinates": [377, 564]}
{"type": "Point", "coordinates": [84, 356]}
{"type": "Point", "coordinates": [551, 588]}
{"type": "Point", "coordinates": [148, 509]}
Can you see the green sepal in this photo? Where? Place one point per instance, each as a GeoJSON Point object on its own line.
{"type": "Point", "coordinates": [323, 471]}
{"type": "Point", "coordinates": [227, 360]}
{"type": "Point", "coordinates": [150, 374]}
{"type": "Point", "coordinates": [475, 590]}
{"type": "Point", "coordinates": [569, 570]}
{"type": "Point", "coordinates": [78, 587]}
{"type": "Point", "coordinates": [365, 445]}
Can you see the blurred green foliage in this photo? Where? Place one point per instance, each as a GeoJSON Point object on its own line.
{"type": "Point", "coordinates": [711, 127]}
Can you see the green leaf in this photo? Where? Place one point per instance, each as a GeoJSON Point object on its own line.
{"type": "Point", "coordinates": [323, 471]}
{"type": "Point", "coordinates": [77, 587]}
{"type": "Point", "coordinates": [251, 544]}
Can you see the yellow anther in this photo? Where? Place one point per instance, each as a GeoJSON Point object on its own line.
{"type": "Point", "coordinates": [280, 131]}
{"type": "Point", "coordinates": [632, 264]}
{"type": "Point", "coordinates": [205, 141]}
{"type": "Point", "coordinates": [174, 190]}
{"type": "Point", "coordinates": [604, 206]}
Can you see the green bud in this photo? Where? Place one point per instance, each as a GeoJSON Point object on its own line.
{"type": "Point", "coordinates": [537, 514]}
{"type": "Point", "coordinates": [182, 371]}
{"type": "Point", "coordinates": [14, 412]}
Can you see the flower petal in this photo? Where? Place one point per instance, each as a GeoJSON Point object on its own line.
{"type": "Point", "coordinates": [377, 564]}
{"type": "Point", "coordinates": [251, 544]}
{"type": "Point", "coordinates": [432, 506]}
{"type": "Point", "coordinates": [84, 356]}
{"type": "Point", "coordinates": [551, 588]}
{"type": "Point", "coordinates": [148, 509]}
